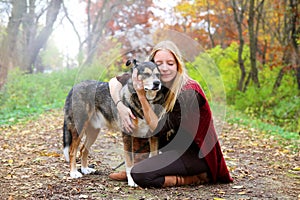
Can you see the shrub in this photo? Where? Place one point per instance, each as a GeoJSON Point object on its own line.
{"type": "Point", "coordinates": [27, 94]}
{"type": "Point", "coordinates": [280, 108]}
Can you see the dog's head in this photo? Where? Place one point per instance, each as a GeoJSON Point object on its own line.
{"type": "Point", "coordinates": [149, 73]}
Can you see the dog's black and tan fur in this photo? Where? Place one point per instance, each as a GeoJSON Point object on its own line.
{"type": "Point", "coordinates": [89, 108]}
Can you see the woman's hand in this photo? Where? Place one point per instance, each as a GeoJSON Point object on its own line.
{"type": "Point", "coordinates": [138, 84]}
{"type": "Point", "coordinates": [126, 116]}
{"type": "Point", "coordinates": [125, 113]}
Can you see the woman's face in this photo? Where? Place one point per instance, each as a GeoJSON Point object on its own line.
{"type": "Point", "coordinates": [167, 65]}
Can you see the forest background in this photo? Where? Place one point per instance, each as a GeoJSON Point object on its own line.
{"type": "Point", "coordinates": [253, 43]}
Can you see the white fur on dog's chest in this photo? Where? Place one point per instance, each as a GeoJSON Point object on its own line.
{"type": "Point", "coordinates": [141, 130]}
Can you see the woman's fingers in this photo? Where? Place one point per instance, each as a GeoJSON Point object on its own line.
{"type": "Point", "coordinates": [137, 84]}
{"type": "Point", "coordinates": [126, 118]}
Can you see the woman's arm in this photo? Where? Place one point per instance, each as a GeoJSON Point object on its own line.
{"type": "Point", "coordinates": [150, 116]}
{"type": "Point", "coordinates": [125, 113]}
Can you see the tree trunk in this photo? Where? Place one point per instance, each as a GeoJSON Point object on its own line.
{"type": "Point", "coordinates": [298, 76]}
{"type": "Point", "coordinates": [247, 82]}
{"type": "Point", "coordinates": [291, 49]}
{"type": "Point", "coordinates": [41, 39]}
{"type": "Point", "coordinates": [9, 54]}
{"type": "Point", "coordinates": [238, 17]}
{"type": "Point", "coordinates": [295, 32]}
{"type": "Point", "coordinates": [22, 50]}
{"type": "Point", "coordinates": [209, 26]}
{"type": "Point", "coordinates": [96, 28]}
{"type": "Point", "coordinates": [253, 43]}
{"type": "Point", "coordinates": [30, 31]}
{"type": "Point", "coordinates": [278, 80]}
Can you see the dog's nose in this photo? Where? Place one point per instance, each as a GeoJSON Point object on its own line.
{"type": "Point", "coordinates": [156, 83]}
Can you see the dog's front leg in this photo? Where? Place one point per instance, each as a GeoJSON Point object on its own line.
{"type": "Point", "coordinates": [153, 141]}
{"type": "Point", "coordinates": [129, 158]}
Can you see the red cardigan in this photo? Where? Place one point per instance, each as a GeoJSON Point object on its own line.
{"type": "Point", "coordinates": [206, 138]}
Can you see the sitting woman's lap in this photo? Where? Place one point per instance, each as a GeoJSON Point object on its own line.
{"type": "Point", "coordinates": [151, 172]}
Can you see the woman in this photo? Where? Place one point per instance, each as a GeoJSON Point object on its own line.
{"type": "Point", "coordinates": [191, 154]}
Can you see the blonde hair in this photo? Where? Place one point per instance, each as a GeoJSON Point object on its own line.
{"type": "Point", "coordinates": [181, 77]}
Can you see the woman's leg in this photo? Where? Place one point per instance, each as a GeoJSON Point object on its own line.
{"type": "Point", "coordinates": [151, 172]}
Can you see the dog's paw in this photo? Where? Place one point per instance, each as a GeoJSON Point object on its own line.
{"type": "Point", "coordinates": [75, 174]}
{"type": "Point", "coordinates": [131, 182]}
{"type": "Point", "coordinates": [87, 170]}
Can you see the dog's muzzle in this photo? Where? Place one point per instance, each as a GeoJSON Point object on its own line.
{"type": "Point", "coordinates": [152, 89]}
{"type": "Point", "coordinates": [156, 85]}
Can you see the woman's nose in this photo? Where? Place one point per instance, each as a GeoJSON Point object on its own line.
{"type": "Point", "coordinates": [163, 67]}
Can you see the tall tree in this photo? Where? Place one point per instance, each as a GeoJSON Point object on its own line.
{"type": "Point", "coordinates": [255, 9]}
{"type": "Point", "coordinates": [107, 18]}
{"type": "Point", "coordinates": [8, 52]}
{"type": "Point", "coordinates": [36, 40]}
{"type": "Point", "coordinates": [209, 21]}
{"type": "Point", "coordinates": [26, 35]}
{"type": "Point", "coordinates": [239, 8]}
{"type": "Point", "coordinates": [287, 32]}
{"type": "Point", "coordinates": [295, 36]}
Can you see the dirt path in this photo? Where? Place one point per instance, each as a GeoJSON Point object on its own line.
{"type": "Point", "coordinates": [32, 167]}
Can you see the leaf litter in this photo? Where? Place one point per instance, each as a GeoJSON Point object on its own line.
{"type": "Point", "coordinates": [33, 167]}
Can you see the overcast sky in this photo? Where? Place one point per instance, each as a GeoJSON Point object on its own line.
{"type": "Point", "coordinates": [65, 37]}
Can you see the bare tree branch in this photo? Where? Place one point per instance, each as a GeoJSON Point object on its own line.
{"type": "Point", "coordinates": [71, 22]}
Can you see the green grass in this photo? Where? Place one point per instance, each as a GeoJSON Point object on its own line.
{"type": "Point", "coordinates": [282, 135]}
{"type": "Point", "coordinates": [27, 96]}
{"type": "Point", "coordinates": [237, 117]}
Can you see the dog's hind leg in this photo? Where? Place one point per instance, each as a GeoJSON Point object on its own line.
{"type": "Point", "coordinates": [91, 136]}
{"type": "Point", "coordinates": [72, 153]}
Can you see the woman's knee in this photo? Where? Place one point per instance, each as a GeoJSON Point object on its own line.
{"type": "Point", "coordinates": [145, 179]}
{"type": "Point", "coordinates": [140, 179]}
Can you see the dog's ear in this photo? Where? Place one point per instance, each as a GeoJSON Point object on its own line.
{"type": "Point", "coordinates": [128, 62]}
{"type": "Point", "coordinates": [133, 63]}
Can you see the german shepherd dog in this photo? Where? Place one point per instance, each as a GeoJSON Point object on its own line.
{"type": "Point", "coordinates": [89, 108]}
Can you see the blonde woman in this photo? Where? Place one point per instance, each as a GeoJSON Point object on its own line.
{"type": "Point", "coordinates": [191, 154]}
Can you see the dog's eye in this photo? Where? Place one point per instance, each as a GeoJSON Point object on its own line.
{"type": "Point", "coordinates": [146, 74]}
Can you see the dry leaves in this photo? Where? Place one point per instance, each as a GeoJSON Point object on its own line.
{"type": "Point", "coordinates": [32, 166]}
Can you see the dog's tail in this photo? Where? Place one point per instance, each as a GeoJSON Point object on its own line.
{"type": "Point", "coordinates": [67, 140]}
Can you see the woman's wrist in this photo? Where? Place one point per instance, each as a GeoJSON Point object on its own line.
{"type": "Point", "coordinates": [119, 101]}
